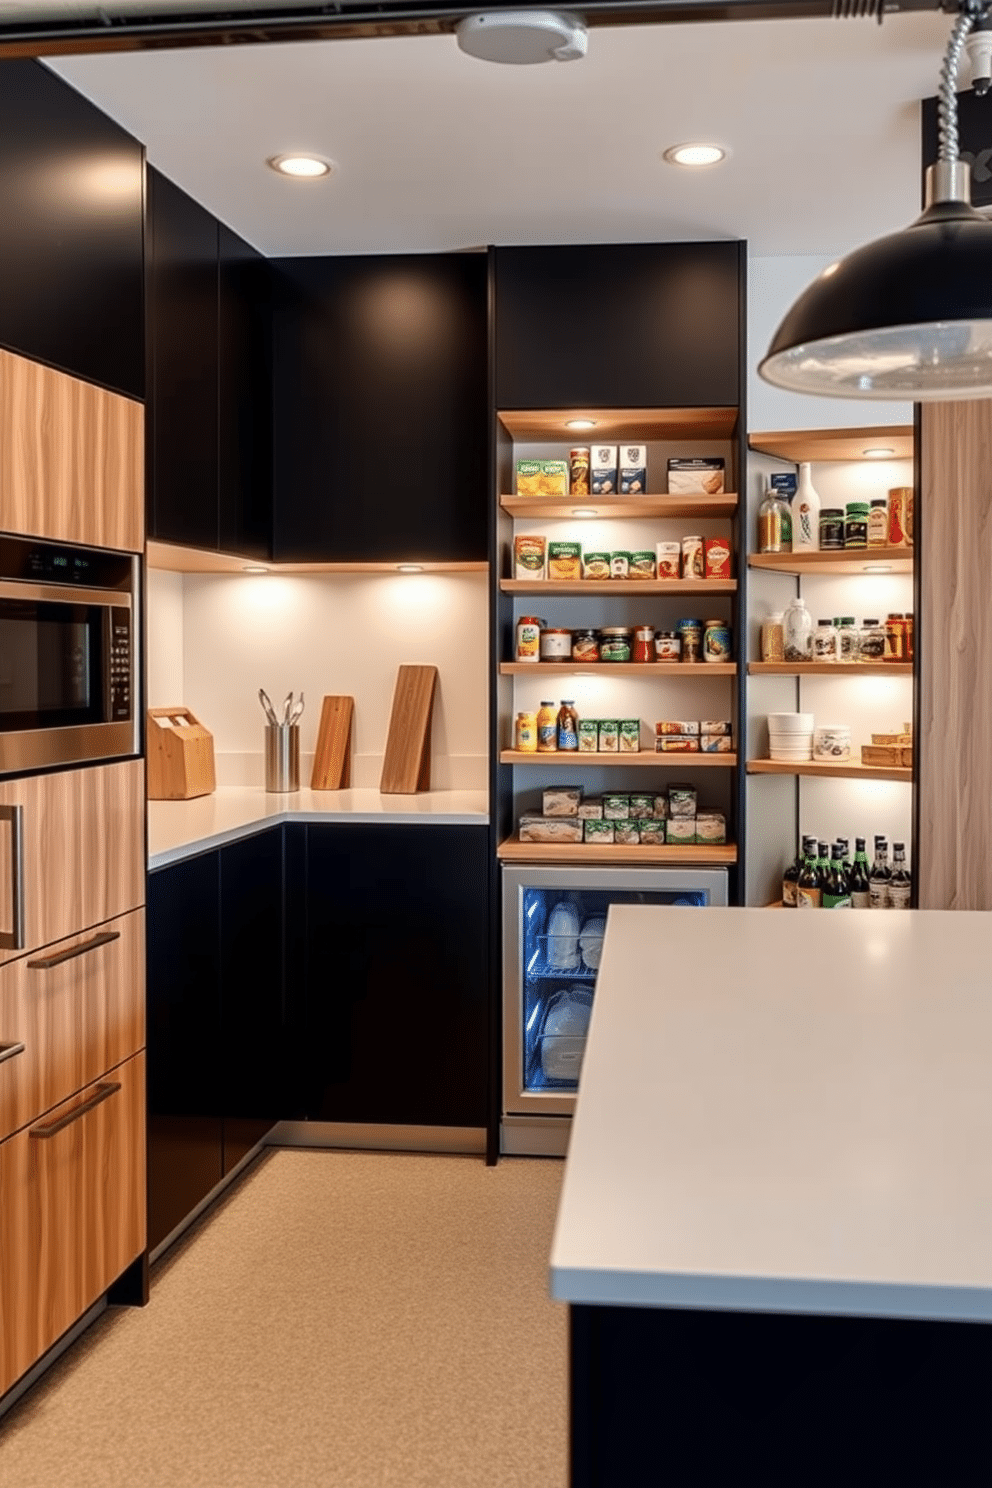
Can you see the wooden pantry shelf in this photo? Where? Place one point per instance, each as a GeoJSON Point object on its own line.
{"type": "Point", "coordinates": [645, 669]}
{"type": "Point", "coordinates": [870, 561]}
{"type": "Point", "coordinates": [571, 758]}
{"type": "Point", "coordinates": [830, 668]}
{"type": "Point", "coordinates": [515, 851]}
{"type": "Point", "coordinates": [174, 559]}
{"type": "Point", "coordinates": [703, 507]}
{"type": "Point", "coordinates": [617, 425]}
{"type": "Point", "coordinates": [836, 444]}
{"type": "Point", "coordinates": [548, 588]}
{"type": "Point", "coordinates": [848, 770]}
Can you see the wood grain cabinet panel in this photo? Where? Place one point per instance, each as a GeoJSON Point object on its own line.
{"type": "Point", "coordinates": [78, 1008]}
{"type": "Point", "coordinates": [72, 1212]}
{"type": "Point", "coordinates": [83, 851]}
{"type": "Point", "coordinates": [71, 458]}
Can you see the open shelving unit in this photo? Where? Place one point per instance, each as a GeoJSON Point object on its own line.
{"type": "Point", "coordinates": [572, 759]}
{"type": "Point", "coordinates": [845, 770]}
{"type": "Point", "coordinates": [849, 561]}
{"type": "Point", "coordinates": [647, 670]}
{"type": "Point", "coordinates": [617, 588]}
{"type": "Point", "coordinates": [611, 507]}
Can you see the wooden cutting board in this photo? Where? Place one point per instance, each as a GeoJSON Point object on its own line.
{"type": "Point", "coordinates": [332, 760]}
{"type": "Point", "coordinates": [406, 765]}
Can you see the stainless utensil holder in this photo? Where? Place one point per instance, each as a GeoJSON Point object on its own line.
{"type": "Point", "coordinates": [282, 757]}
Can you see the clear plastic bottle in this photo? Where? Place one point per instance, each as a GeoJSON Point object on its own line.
{"type": "Point", "coordinates": [797, 626]}
{"type": "Point", "coordinates": [826, 642]}
{"type": "Point", "coordinates": [805, 514]}
{"type": "Point", "coordinates": [773, 516]}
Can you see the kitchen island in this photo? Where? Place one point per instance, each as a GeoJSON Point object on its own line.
{"type": "Point", "coordinates": [775, 1230]}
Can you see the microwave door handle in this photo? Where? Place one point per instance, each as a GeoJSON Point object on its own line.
{"type": "Point", "coordinates": [14, 938]}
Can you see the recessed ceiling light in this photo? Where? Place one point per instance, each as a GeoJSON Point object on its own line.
{"type": "Point", "coordinates": [580, 423]}
{"type": "Point", "coordinates": [300, 167]}
{"type": "Point", "coordinates": [409, 568]}
{"type": "Point", "coordinates": [255, 568]}
{"type": "Point", "coordinates": [695, 154]}
{"type": "Point", "coordinates": [584, 511]}
{"type": "Point", "coordinates": [878, 454]}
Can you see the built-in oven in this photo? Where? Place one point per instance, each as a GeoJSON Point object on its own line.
{"type": "Point", "coordinates": [68, 654]}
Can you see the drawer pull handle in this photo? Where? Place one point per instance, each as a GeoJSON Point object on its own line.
{"type": "Point", "coordinates": [45, 963]}
{"type": "Point", "coordinates": [13, 939]}
{"type": "Point", "coordinates": [9, 1051]}
{"type": "Point", "coordinates": [101, 1093]}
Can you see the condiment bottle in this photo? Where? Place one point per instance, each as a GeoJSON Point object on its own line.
{"type": "Point", "coordinates": [878, 523]}
{"type": "Point", "coordinates": [547, 728]}
{"type": "Point", "coordinates": [772, 638]}
{"type": "Point", "coordinates": [644, 643]}
{"type": "Point", "coordinates": [529, 638]}
{"type": "Point", "coordinates": [568, 726]}
{"type": "Point", "coordinates": [525, 733]}
{"type": "Point", "coordinates": [772, 517]}
{"type": "Point", "coordinates": [805, 514]}
{"type": "Point", "coordinates": [895, 638]}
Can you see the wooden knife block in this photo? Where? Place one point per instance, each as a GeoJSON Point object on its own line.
{"type": "Point", "coordinates": [180, 756]}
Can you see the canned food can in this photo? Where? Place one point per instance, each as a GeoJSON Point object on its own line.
{"type": "Point", "coordinates": [716, 641]}
{"type": "Point", "coordinates": [691, 636]}
{"type": "Point", "coordinates": [578, 471]}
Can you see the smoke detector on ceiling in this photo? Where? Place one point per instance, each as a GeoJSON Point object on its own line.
{"type": "Point", "coordinates": [523, 36]}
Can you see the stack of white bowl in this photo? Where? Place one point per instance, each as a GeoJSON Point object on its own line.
{"type": "Point", "coordinates": [790, 737]}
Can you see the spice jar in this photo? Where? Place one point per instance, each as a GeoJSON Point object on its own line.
{"type": "Point", "coordinates": [691, 636]}
{"type": "Point", "coordinates": [847, 634]}
{"type": "Point", "coordinates": [772, 638]}
{"type": "Point", "coordinates": [525, 733]}
{"type": "Point", "coordinates": [644, 643]}
{"type": "Point", "coordinates": [831, 529]}
{"type": "Point", "coordinates": [667, 645]}
{"type": "Point", "coordinates": [871, 647]}
{"type": "Point", "coordinates": [615, 643]}
{"type": "Point", "coordinates": [895, 638]}
{"type": "Point", "coordinates": [856, 525]}
{"type": "Point", "coordinates": [529, 638]}
{"type": "Point", "coordinates": [716, 641]}
{"type": "Point", "coordinates": [585, 645]}
{"type": "Point", "coordinates": [556, 645]}
{"type": "Point", "coordinates": [826, 645]}
{"type": "Point", "coordinates": [878, 523]}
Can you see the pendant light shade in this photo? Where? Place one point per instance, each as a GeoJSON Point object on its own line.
{"type": "Point", "coordinates": [910, 315]}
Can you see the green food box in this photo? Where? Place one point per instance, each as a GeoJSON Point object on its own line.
{"type": "Point", "coordinates": [680, 830]}
{"type": "Point", "coordinates": [630, 736]}
{"type": "Point", "coordinates": [616, 808]}
{"type": "Point", "coordinates": [627, 834]}
{"type": "Point", "coordinates": [641, 808]}
{"type": "Point", "coordinates": [609, 736]}
{"type": "Point", "coordinates": [588, 735]}
{"type": "Point", "coordinates": [598, 831]}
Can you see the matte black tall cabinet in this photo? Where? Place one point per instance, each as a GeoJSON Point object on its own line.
{"type": "Point", "coordinates": [381, 404]}
{"type": "Point", "coordinates": [71, 248]}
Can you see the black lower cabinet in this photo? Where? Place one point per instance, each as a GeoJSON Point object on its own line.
{"type": "Point", "coordinates": [185, 1116]}
{"type": "Point", "coordinates": [397, 969]}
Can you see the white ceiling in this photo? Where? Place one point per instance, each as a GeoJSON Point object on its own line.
{"type": "Point", "coordinates": [440, 151]}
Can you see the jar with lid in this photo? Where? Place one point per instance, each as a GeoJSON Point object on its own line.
{"type": "Point", "coordinates": [529, 638]}
{"type": "Point", "coordinates": [847, 634]}
{"type": "Point", "coordinates": [797, 624]}
{"type": "Point", "coordinates": [547, 728]}
{"type": "Point", "coordinates": [772, 638]}
{"type": "Point", "coordinates": [691, 637]}
{"type": "Point", "coordinates": [773, 519]}
{"type": "Point", "coordinates": [525, 733]}
{"type": "Point", "coordinates": [826, 642]}
{"type": "Point", "coordinates": [856, 525]}
{"type": "Point", "coordinates": [643, 643]}
{"type": "Point", "coordinates": [871, 647]}
{"type": "Point", "coordinates": [831, 529]}
{"type": "Point", "coordinates": [585, 645]}
{"type": "Point", "coordinates": [716, 641]}
{"type": "Point", "coordinates": [556, 644]}
{"type": "Point", "coordinates": [878, 522]}
{"type": "Point", "coordinates": [615, 643]}
{"type": "Point", "coordinates": [667, 645]}
{"type": "Point", "coordinates": [895, 638]}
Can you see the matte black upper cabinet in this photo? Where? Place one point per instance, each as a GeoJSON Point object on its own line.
{"type": "Point", "coordinates": [632, 325]}
{"type": "Point", "coordinates": [381, 408]}
{"type": "Point", "coordinates": [71, 205]}
{"type": "Point", "coordinates": [209, 401]}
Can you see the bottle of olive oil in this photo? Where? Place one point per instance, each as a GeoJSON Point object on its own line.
{"type": "Point", "coordinates": [835, 891]}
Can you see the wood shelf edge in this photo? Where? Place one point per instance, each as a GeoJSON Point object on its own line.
{"type": "Point", "coordinates": [512, 850]}
{"type": "Point", "coordinates": [819, 769]}
{"type": "Point", "coordinates": [650, 758]}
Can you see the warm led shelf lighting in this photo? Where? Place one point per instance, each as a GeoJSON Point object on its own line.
{"type": "Point", "coordinates": [300, 167]}
{"type": "Point", "coordinates": [409, 568]}
{"type": "Point", "coordinates": [255, 568]}
{"type": "Point", "coordinates": [878, 454]}
{"type": "Point", "coordinates": [584, 511]}
{"type": "Point", "coordinates": [580, 423]}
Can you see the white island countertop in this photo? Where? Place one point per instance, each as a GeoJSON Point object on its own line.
{"type": "Point", "coordinates": [179, 829]}
{"type": "Point", "coordinates": [785, 1112]}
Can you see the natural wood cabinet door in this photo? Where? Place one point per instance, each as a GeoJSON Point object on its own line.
{"type": "Point", "coordinates": [74, 1010]}
{"type": "Point", "coordinates": [72, 1212]}
{"type": "Point", "coordinates": [71, 458]}
{"type": "Point", "coordinates": [81, 858]}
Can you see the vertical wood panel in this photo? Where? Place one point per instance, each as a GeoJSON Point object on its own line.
{"type": "Point", "coordinates": [71, 458]}
{"type": "Point", "coordinates": [955, 638]}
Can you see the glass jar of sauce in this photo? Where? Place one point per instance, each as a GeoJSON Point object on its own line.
{"type": "Point", "coordinates": [616, 643]}
{"type": "Point", "coordinates": [643, 643]}
{"type": "Point", "coordinates": [585, 645]}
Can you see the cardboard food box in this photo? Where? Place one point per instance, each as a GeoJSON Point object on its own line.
{"type": "Point", "coordinates": [680, 829]}
{"type": "Point", "coordinates": [627, 834]}
{"type": "Point", "coordinates": [603, 469]}
{"type": "Point", "coordinates": [700, 477]}
{"type": "Point", "coordinates": [616, 808]}
{"type": "Point", "coordinates": [599, 831]}
{"type": "Point", "coordinates": [561, 800]}
{"type": "Point", "coordinates": [633, 469]}
{"type": "Point", "coordinates": [535, 828]}
{"type": "Point", "coordinates": [564, 560]}
{"type": "Point", "coordinates": [681, 800]}
{"type": "Point", "coordinates": [542, 477]}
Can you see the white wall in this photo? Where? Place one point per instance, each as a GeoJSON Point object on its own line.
{"type": "Point", "coordinates": [773, 285]}
{"type": "Point", "coordinates": [342, 634]}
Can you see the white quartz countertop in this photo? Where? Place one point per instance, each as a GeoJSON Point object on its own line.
{"type": "Point", "coordinates": [785, 1112]}
{"type": "Point", "coordinates": [178, 829]}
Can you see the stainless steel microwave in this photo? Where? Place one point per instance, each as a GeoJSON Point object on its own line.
{"type": "Point", "coordinates": [68, 654]}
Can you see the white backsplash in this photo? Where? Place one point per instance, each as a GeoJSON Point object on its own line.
{"type": "Point", "coordinates": [213, 640]}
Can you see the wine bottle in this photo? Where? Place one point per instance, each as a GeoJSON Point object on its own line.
{"type": "Point", "coordinates": [835, 892]}
{"type": "Point", "coordinates": [859, 886]}
{"type": "Point", "coordinates": [809, 889]}
{"type": "Point", "coordinates": [900, 884]}
{"type": "Point", "coordinates": [878, 882]}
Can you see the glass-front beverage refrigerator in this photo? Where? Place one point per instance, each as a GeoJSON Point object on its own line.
{"type": "Point", "coordinates": [554, 920]}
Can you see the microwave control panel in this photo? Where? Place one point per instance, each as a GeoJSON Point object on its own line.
{"type": "Point", "coordinates": [120, 663]}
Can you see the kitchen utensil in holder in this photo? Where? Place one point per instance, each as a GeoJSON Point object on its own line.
{"type": "Point", "coordinates": [282, 757]}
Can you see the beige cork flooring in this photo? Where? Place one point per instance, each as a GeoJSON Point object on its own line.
{"type": "Point", "coordinates": [355, 1320]}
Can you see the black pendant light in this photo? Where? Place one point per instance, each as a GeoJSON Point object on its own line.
{"type": "Point", "coordinates": [910, 315]}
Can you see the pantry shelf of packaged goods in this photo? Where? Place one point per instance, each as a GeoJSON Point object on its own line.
{"type": "Point", "coordinates": [677, 759]}
{"type": "Point", "coordinates": [697, 669]}
{"type": "Point", "coordinates": [549, 587]}
{"type": "Point", "coordinates": [607, 507]}
{"type": "Point", "coordinates": [512, 850]}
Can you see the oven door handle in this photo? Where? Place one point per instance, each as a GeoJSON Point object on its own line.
{"type": "Point", "coordinates": [14, 939]}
